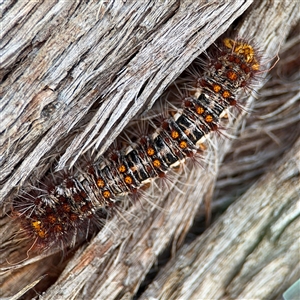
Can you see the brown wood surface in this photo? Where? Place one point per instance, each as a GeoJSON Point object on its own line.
{"type": "Point", "coordinates": [73, 76]}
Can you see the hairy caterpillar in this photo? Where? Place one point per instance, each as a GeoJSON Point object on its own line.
{"type": "Point", "coordinates": [56, 212]}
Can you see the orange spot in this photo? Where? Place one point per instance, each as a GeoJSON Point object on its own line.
{"type": "Point", "coordinates": [150, 151]}
{"type": "Point", "coordinates": [36, 225]}
{"type": "Point", "coordinates": [255, 67]}
{"type": "Point", "coordinates": [66, 207]}
{"type": "Point", "coordinates": [183, 144]}
{"type": "Point", "coordinates": [156, 163]}
{"type": "Point", "coordinates": [100, 183]}
{"type": "Point", "coordinates": [128, 179]}
{"type": "Point", "coordinates": [232, 75]}
{"type": "Point", "coordinates": [174, 134]}
{"type": "Point", "coordinates": [226, 94]}
{"type": "Point", "coordinates": [77, 198]}
{"type": "Point", "coordinates": [243, 66]}
{"type": "Point", "coordinates": [84, 208]}
{"type": "Point", "coordinates": [231, 58]}
{"type": "Point", "coordinates": [40, 231]}
{"type": "Point", "coordinates": [122, 169]}
{"type": "Point", "coordinates": [73, 217]}
{"type": "Point", "coordinates": [243, 83]}
{"type": "Point", "coordinates": [217, 88]}
{"type": "Point", "coordinates": [208, 118]}
{"type": "Point", "coordinates": [199, 110]}
{"type": "Point", "coordinates": [106, 194]}
{"type": "Point", "coordinates": [52, 219]}
{"type": "Point", "coordinates": [58, 228]}
{"type": "Point", "coordinates": [42, 234]}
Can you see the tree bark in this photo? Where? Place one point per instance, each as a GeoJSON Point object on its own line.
{"type": "Point", "coordinates": [251, 252]}
{"type": "Point", "coordinates": [74, 74]}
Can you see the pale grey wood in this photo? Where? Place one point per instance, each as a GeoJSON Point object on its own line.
{"type": "Point", "coordinates": [114, 264]}
{"type": "Point", "coordinates": [252, 251]}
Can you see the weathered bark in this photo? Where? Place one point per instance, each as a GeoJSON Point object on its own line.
{"type": "Point", "coordinates": [117, 55]}
{"type": "Point", "coordinates": [76, 79]}
{"type": "Point", "coordinates": [252, 252]}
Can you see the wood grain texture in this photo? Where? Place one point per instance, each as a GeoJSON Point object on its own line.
{"type": "Point", "coordinates": [124, 60]}
{"type": "Point", "coordinates": [74, 81]}
{"type": "Point", "coordinates": [252, 252]}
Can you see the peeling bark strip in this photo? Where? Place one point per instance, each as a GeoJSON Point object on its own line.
{"type": "Point", "coordinates": [84, 69]}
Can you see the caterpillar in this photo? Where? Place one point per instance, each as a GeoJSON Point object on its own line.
{"type": "Point", "coordinates": [65, 209]}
